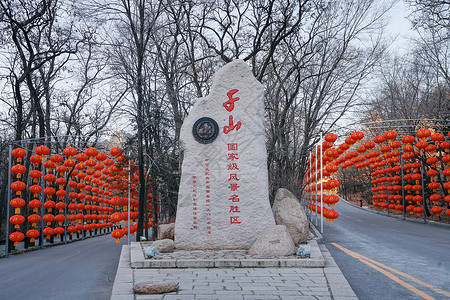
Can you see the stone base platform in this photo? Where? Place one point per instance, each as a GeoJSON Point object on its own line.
{"type": "Point", "coordinates": [222, 259]}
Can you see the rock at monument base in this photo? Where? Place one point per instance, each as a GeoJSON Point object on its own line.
{"type": "Point", "coordinates": [289, 212]}
{"type": "Point", "coordinates": [164, 246]}
{"type": "Point", "coordinates": [155, 288]}
{"type": "Point", "coordinates": [166, 231]}
{"type": "Point", "coordinates": [223, 200]}
{"type": "Point", "coordinates": [273, 241]}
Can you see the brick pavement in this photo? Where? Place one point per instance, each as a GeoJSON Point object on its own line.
{"type": "Point", "coordinates": [299, 283]}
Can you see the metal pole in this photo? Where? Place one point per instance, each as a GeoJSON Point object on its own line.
{"type": "Point", "coordinates": [8, 199]}
{"type": "Point", "coordinates": [129, 202]}
{"type": "Point", "coordinates": [403, 191]}
{"type": "Point", "coordinates": [321, 185]}
{"type": "Point", "coordinates": [41, 236]}
{"type": "Point", "coordinates": [423, 194]}
{"type": "Point", "coordinates": [316, 217]}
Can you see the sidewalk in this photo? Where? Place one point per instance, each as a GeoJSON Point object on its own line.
{"type": "Point", "coordinates": [321, 283]}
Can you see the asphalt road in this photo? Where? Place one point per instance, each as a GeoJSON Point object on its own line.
{"type": "Point", "coordinates": [389, 258]}
{"type": "Point", "coordinates": [79, 270]}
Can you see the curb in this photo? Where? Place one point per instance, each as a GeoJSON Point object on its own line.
{"type": "Point", "coordinates": [138, 261]}
{"type": "Point", "coordinates": [396, 216]}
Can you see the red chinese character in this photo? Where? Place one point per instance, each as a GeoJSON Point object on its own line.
{"type": "Point", "coordinates": [232, 156]}
{"type": "Point", "coordinates": [230, 126]}
{"type": "Point", "coordinates": [233, 166]}
{"type": "Point", "coordinates": [233, 177]}
{"type": "Point", "coordinates": [234, 220]}
{"type": "Point", "coordinates": [232, 146]}
{"type": "Point", "coordinates": [234, 209]}
{"type": "Point", "coordinates": [233, 187]}
{"type": "Point", "coordinates": [234, 198]}
{"type": "Point", "coordinates": [229, 105]}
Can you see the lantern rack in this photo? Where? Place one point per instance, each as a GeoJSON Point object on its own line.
{"type": "Point", "coordinates": [411, 126]}
{"type": "Point", "coordinates": [54, 143]}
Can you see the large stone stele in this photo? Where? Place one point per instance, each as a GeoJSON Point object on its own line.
{"type": "Point", "coordinates": [223, 200]}
{"type": "Point", "coordinates": [273, 241]}
{"type": "Point", "coordinates": [289, 212]}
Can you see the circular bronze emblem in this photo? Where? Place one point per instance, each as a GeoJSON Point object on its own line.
{"type": "Point", "coordinates": [205, 130]}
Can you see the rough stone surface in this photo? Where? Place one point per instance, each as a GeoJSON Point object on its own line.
{"type": "Point", "coordinates": [164, 246]}
{"type": "Point", "coordinates": [289, 212]}
{"type": "Point", "coordinates": [273, 241]}
{"type": "Point", "coordinates": [212, 214]}
{"type": "Point", "coordinates": [166, 231]}
{"type": "Point", "coordinates": [155, 288]}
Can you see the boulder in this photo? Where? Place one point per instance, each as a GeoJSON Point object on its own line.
{"type": "Point", "coordinates": [273, 241]}
{"type": "Point", "coordinates": [163, 246]}
{"type": "Point", "coordinates": [166, 231]}
{"type": "Point", "coordinates": [223, 199]}
{"type": "Point", "coordinates": [155, 288]}
{"type": "Point", "coordinates": [288, 211]}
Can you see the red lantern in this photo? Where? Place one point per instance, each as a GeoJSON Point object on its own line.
{"type": "Point", "coordinates": [447, 186]}
{"type": "Point", "coordinates": [18, 153]}
{"type": "Point", "coordinates": [61, 194]}
{"type": "Point", "coordinates": [61, 169]}
{"type": "Point", "coordinates": [115, 151]}
{"type": "Point", "coordinates": [418, 210]}
{"type": "Point", "coordinates": [49, 218]}
{"type": "Point", "coordinates": [101, 156]}
{"type": "Point", "coordinates": [357, 135]}
{"type": "Point", "coordinates": [35, 174]}
{"type": "Point", "coordinates": [445, 146]}
{"type": "Point", "coordinates": [432, 161]}
{"type": "Point", "coordinates": [35, 204]}
{"type": "Point", "coordinates": [48, 232]}
{"type": "Point", "coordinates": [70, 151]}
{"type": "Point", "coordinates": [418, 199]}
{"type": "Point", "coordinates": [410, 209]}
{"type": "Point", "coordinates": [32, 234]}
{"type": "Point", "coordinates": [49, 192]}
{"type": "Point", "coordinates": [408, 139]}
{"type": "Point", "coordinates": [71, 229]}
{"type": "Point", "coordinates": [331, 138]}
{"type": "Point", "coordinates": [49, 205]}
{"type": "Point", "coordinates": [17, 220]}
{"type": "Point", "coordinates": [437, 210]}
{"type": "Point", "coordinates": [60, 206]}
{"type": "Point", "coordinates": [435, 198]}
{"type": "Point", "coordinates": [117, 234]}
{"type": "Point", "coordinates": [18, 170]}
{"type": "Point", "coordinates": [49, 178]}
{"type": "Point", "coordinates": [18, 186]}
{"type": "Point", "coordinates": [369, 145]}
{"type": "Point", "coordinates": [36, 160]}
{"type": "Point", "coordinates": [437, 138]}
{"type": "Point", "coordinates": [16, 237]}
{"type": "Point", "coordinates": [91, 152]}
{"type": "Point", "coordinates": [423, 134]}
{"type": "Point", "coordinates": [390, 135]}
{"type": "Point", "coordinates": [58, 231]}
{"type": "Point", "coordinates": [80, 166]}
{"type": "Point", "coordinates": [431, 148]}
{"type": "Point", "coordinates": [379, 139]}
{"type": "Point", "coordinates": [61, 181]}
{"type": "Point", "coordinates": [42, 150]}
{"type": "Point", "coordinates": [17, 203]}
{"type": "Point", "coordinates": [69, 163]}
{"type": "Point", "coordinates": [446, 172]}
{"type": "Point", "coordinates": [56, 158]}
{"type": "Point", "coordinates": [82, 157]}
{"type": "Point", "coordinates": [434, 186]}
{"type": "Point", "coordinates": [33, 219]}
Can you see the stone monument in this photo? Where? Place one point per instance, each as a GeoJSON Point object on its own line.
{"type": "Point", "coordinates": [223, 201]}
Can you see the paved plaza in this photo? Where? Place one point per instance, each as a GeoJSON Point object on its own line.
{"type": "Point", "coordinates": [237, 283]}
